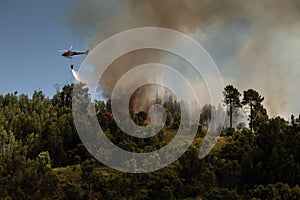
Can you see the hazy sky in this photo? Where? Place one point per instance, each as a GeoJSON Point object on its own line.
{"type": "Point", "coordinates": [31, 32]}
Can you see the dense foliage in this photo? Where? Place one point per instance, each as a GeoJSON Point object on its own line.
{"type": "Point", "coordinates": [42, 157]}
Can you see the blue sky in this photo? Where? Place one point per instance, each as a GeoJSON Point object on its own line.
{"type": "Point", "coordinates": [31, 32]}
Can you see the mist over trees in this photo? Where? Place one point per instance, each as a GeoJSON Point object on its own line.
{"type": "Point", "coordinates": [42, 156]}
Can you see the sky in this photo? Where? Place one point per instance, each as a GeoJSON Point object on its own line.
{"type": "Point", "coordinates": [31, 33]}
{"type": "Point", "coordinates": [255, 44]}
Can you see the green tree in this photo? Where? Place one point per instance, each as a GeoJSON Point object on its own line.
{"type": "Point", "coordinates": [231, 99]}
{"type": "Point", "coordinates": [254, 100]}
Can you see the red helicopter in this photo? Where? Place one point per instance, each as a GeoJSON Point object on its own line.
{"type": "Point", "coordinates": [70, 53]}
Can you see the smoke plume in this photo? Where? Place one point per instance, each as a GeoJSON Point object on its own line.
{"type": "Point", "coordinates": [254, 43]}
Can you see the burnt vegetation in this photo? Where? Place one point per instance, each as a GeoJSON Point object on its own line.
{"type": "Point", "coordinates": [42, 156]}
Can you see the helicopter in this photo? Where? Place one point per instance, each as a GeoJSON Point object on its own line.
{"type": "Point", "coordinates": [70, 53]}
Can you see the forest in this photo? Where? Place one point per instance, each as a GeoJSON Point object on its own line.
{"type": "Point", "coordinates": [42, 156]}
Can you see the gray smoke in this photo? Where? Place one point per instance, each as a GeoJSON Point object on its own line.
{"type": "Point", "coordinates": [254, 43]}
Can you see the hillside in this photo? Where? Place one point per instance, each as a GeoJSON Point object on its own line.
{"type": "Point", "coordinates": [42, 157]}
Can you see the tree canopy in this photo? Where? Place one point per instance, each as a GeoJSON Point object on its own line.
{"type": "Point", "coordinates": [42, 157]}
